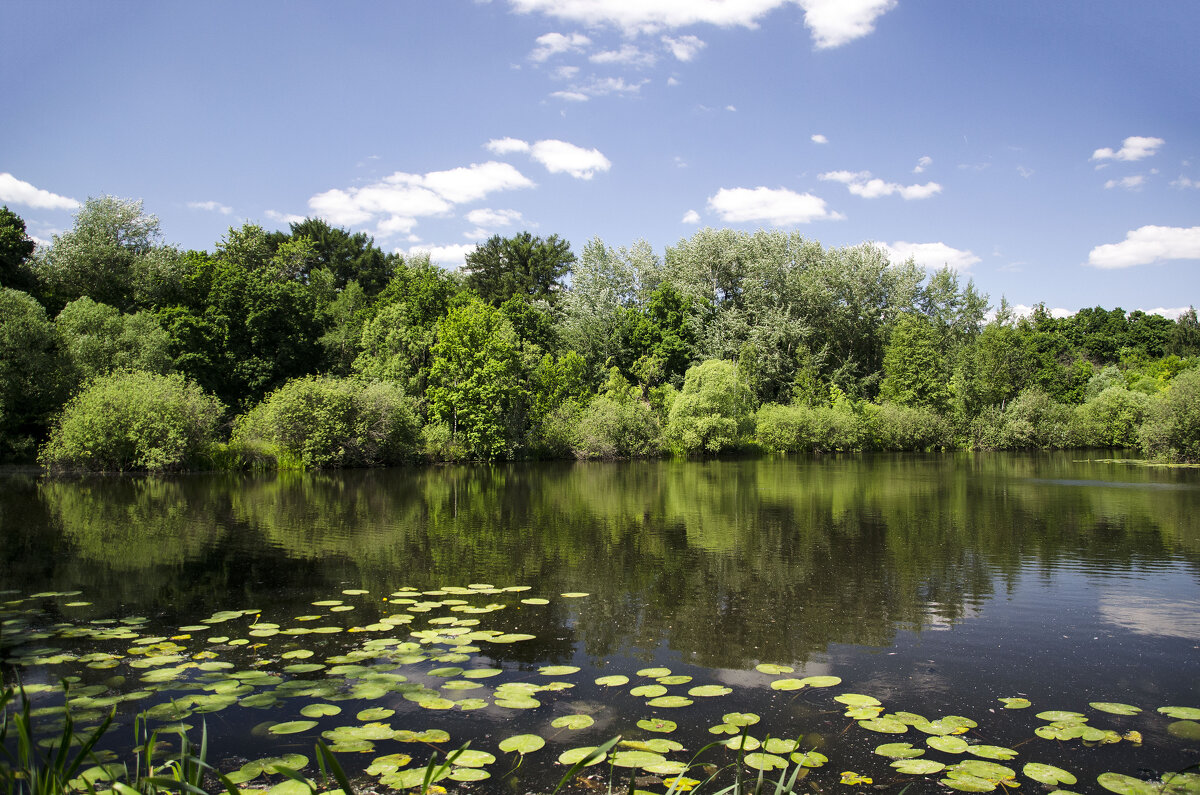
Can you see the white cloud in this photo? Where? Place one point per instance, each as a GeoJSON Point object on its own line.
{"type": "Point", "coordinates": [504, 146]}
{"type": "Point", "coordinates": [451, 256]}
{"type": "Point", "coordinates": [1172, 313]}
{"type": "Point", "coordinates": [861, 183]}
{"type": "Point", "coordinates": [1184, 182]}
{"type": "Point", "coordinates": [1025, 172]}
{"type": "Point", "coordinates": [1129, 183]}
{"type": "Point", "coordinates": [690, 217]}
{"type": "Point", "coordinates": [731, 108]}
{"type": "Point", "coordinates": [561, 157]}
{"type": "Point", "coordinates": [684, 48]}
{"type": "Point", "coordinates": [397, 200]}
{"type": "Point", "coordinates": [16, 191]}
{"type": "Point", "coordinates": [836, 22]}
{"type": "Point", "coordinates": [819, 139]}
{"type": "Point", "coordinates": [671, 81]}
{"type": "Point", "coordinates": [1147, 245]}
{"type": "Point", "coordinates": [922, 164]}
{"type": "Point", "coordinates": [212, 207]}
{"type": "Point", "coordinates": [1024, 310]}
{"type": "Point", "coordinates": [571, 96]}
{"type": "Point", "coordinates": [931, 255]}
{"type": "Point", "coordinates": [485, 217]}
{"type": "Point", "coordinates": [776, 206]}
{"type": "Point", "coordinates": [628, 55]}
{"type": "Point", "coordinates": [1134, 147]}
{"type": "Point", "coordinates": [551, 44]}
{"type": "Point", "coordinates": [832, 22]}
{"type": "Point", "coordinates": [284, 218]}
{"type": "Point", "coordinates": [566, 72]}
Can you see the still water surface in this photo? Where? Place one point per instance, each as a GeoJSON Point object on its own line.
{"type": "Point", "coordinates": [935, 584]}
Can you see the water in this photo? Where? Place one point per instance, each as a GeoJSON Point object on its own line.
{"type": "Point", "coordinates": [936, 584]}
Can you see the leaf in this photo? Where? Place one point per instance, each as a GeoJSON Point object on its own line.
{"type": "Point", "coordinates": [375, 713]}
{"type": "Point", "coordinates": [991, 751]}
{"type": "Point", "coordinates": [471, 758]}
{"type": "Point", "coordinates": [884, 725]}
{"type": "Point", "coordinates": [821, 681]}
{"type": "Point", "coordinates": [654, 673]}
{"type": "Point", "coordinates": [1015, 702]}
{"type": "Point", "coordinates": [1126, 785]}
{"type": "Point", "coordinates": [774, 670]}
{"type": "Point", "coordinates": [1183, 713]}
{"type": "Point", "coordinates": [918, 767]}
{"type": "Point", "coordinates": [522, 744]}
{"type": "Point", "coordinates": [615, 680]}
{"type": "Point", "coordinates": [1048, 774]}
{"type": "Point", "coordinates": [947, 744]}
{"type": "Point", "coordinates": [638, 759]}
{"type": "Point", "coordinates": [857, 700]}
{"type": "Point", "coordinates": [787, 684]}
{"type": "Point", "coordinates": [899, 751]}
{"type": "Point", "coordinates": [648, 691]}
{"type": "Point", "coordinates": [740, 718]}
{"type": "Point", "coordinates": [572, 722]}
{"type": "Point", "coordinates": [765, 761]}
{"type": "Point", "coordinates": [657, 725]}
{"type": "Point", "coordinates": [670, 702]}
{"type": "Point", "coordinates": [292, 727]}
{"type": "Point", "coordinates": [809, 758]}
{"type": "Point", "coordinates": [558, 670]}
{"type": "Point", "coordinates": [705, 691]}
{"type": "Point", "coordinates": [1115, 708]}
{"type": "Point", "coordinates": [576, 755]}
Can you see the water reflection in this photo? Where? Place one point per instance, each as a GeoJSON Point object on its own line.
{"type": "Point", "coordinates": [725, 563]}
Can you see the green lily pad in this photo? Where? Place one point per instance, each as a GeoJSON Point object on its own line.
{"type": "Point", "coordinates": [654, 673]}
{"type": "Point", "coordinates": [918, 767]}
{"type": "Point", "coordinates": [774, 670]}
{"type": "Point", "coordinates": [390, 763]}
{"type": "Point", "coordinates": [988, 770]}
{"type": "Point", "coordinates": [522, 744]}
{"type": "Point", "coordinates": [821, 681]}
{"type": "Point", "coordinates": [290, 787]}
{"type": "Point", "coordinates": [471, 758]}
{"type": "Point", "coordinates": [482, 673]}
{"type": "Point", "coordinates": [577, 755]}
{"type": "Point", "coordinates": [657, 725]}
{"type": "Point", "coordinates": [533, 600]}
{"type": "Point", "coordinates": [778, 745]}
{"type": "Point", "coordinates": [809, 758]}
{"type": "Point", "coordinates": [636, 759]}
{"type": "Point", "coordinates": [558, 670]}
{"type": "Point", "coordinates": [964, 782]}
{"type": "Point", "coordinates": [899, 751]}
{"type": "Point", "coordinates": [740, 718]}
{"type": "Point", "coordinates": [670, 702]}
{"type": "Point", "coordinates": [1063, 716]}
{"type": "Point", "coordinates": [991, 751]}
{"type": "Point", "coordinates": [673, 680]}
{"type": "Point", "coordinates": [1115, 708]}
{"type": "Point", "coordinates": [1015, 702]}
{"type": "Point", "coordinates": [574, 594]}
{"type": "Point", "coordinates": [1048, 774]}
{"type": "Point", "coordinates": [884, 725]}
{"type": "Point", "coordinates": [573, 722]}
{"type": "Point", "coordinates": [742, 742]}
{"type": "Point", "coordinates": [659, 745]}
{"type": "Point", "coordinates": [1127, 785]}
{"type": "Point", "coordinates": [615, 680]}
{"type": "Point", "coordinates": [648, 691]}
{"type": "Point", "coordinates": [766, 762]}
{"type": "Point", "coordinates": [1183, 713]}
{"type": "Point", "coordinates": [787, 684]}
{"type": "Point", "coordinates": [947, 744]}
{"type": "Point", "coordinates": [708, 691]}
{"type": "Point", "coordinates": [1185, 730]}
{"type": "Point", "coordinates": [375, 713]}
{"type": "Point", "coordinates": [407, 779]}
{"type": "Point", "coordinates": [667, 767]}
{"type": "Point", "coordinates": [857, 700]}
{"type": "Point", "coordinates": [292, 727]}
{"type": "Point", "coordinates": [468, 774]}
{"type": "Point", "coordinates": [518, 702]}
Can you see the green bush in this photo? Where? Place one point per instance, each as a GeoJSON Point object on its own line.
{"type": "Point", "coordinates": [133, 421]}
{"type": "Point", "coordinates": [713, 412]}
{"type": "Point", "coordinates": [1171, 430]}
{"type": "Point", "coordinates": [326, 422]}
{"type": "Point", "coordinates": [1111, 418]}
{"type": "Point", "coordinates": [797, 428]}
{"type": "Point", "coordinates": [32, 386]}
{"type": "Point", "coordinates": [1031, 420]}
{"type": "Point", "coordinates": [610, 428]}
{"type": "Point", "coordinates": [894, 427]}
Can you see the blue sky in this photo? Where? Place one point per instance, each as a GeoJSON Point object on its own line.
{"type": "Point", "coordinates": [1049, 151]}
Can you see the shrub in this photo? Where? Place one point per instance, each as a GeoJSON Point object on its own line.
{"type": "Point", "coordinates": [1034, 419]}
{"type": "Point", "coordinates": [894, 427]}
{"type": "Point", "coordinates": [1111, 418]}
{"type": "Point", "coordinates": [326, 422]}
{"type": "Point", "coordinates": [1171, 430]}
{"type": "Point", "coordinates": [713, 412]}
{"type": "Point", "coordinates": [797, 428]}
{"type": "Point", "coordinates": [133, 420]}
{"type": "Point", "coordinates": [611, 428]}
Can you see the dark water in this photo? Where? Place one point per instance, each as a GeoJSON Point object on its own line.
{"type": "Point", "coordinates": [935, 584]}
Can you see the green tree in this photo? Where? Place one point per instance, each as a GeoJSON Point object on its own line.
{"type": "Point", "coordinates": [350, 257]}
{"type": "Point", "coordinates": [520, 265]}
{"type": "Point", "coordinates": [475, 381]}
{"type": "Point", "coordinates": [16, 248]}
{"type": "Point", "coordinates": [713, 412]}
{"type": "Point", "coordinates": [1185, 337]}
{"type": "Point", "coordinates": [97, 339]}
{"type": "Point", "coordinates": [915, 365]}
{"type": "Point", "coordinates": [114, 255]}
{"type": "Point", "coordinates": [31, 374]}
{"type": "Point", "coordinates": [1171, 430]}
{"type": "Point", "coordinates": [133, 421]}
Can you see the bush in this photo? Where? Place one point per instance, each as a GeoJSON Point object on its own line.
{"type": "Point", "coordinates": [1032, 420]}
{"type": "Point", "coordinates": [713, 412]}
{"type": "Point", "coordinates": [895, 427]}
{"type": "Point", "coordinates": [610, 428]}
{"type": "Point", "coordinates": [326, 422]}
{"type": "Point", "coordinates": [133, 421]}
{"type": "Point", "coordinates": [798, 428]}
{"type": "Point", "coordinates": [1111, 418]}
{"type": "Point", "coordinates": [1171, 430]}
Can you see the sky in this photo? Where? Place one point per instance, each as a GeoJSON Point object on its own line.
{"type": "Point", "coordinates": [1050, 151]}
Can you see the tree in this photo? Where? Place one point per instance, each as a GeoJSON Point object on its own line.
{"type": "Point", "coordinates": [915, 365]}
{"type": "Point", "coordinates": [97, 339]}
{"type": "Point", "coordinates": [520, 265]}
{"type": "Point", "coordinates": [114, 255]}
{"type": "Point", "coordinates": [475, 380]}
{"type": "Point", "coordinates": [31, 366]}
{"type": "Point", "coordinates": [1172, 427]}
{"type": "Point", "coordinates": [713, 412]}
{"type": "Point", "coordinates": [350, 257]}
{"type": "Point", "coordinates": [16, 248]}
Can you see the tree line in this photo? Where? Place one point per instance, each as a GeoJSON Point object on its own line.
{"type": "Point", "coordinates": [313, 348]}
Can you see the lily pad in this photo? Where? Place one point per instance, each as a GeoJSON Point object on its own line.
{"type": "Point", "coordinates": [821, 681]}
{"type": "Point", "coordinates": [1015, 702]}
{"type": "Point", "coordinates": [558, 670]}
{"type": "Point", "coordinates": [947, 744]}
{"type": "Point", "coordinates": [857, 700]}
{"type": "Point", "coordinates": [574, 594]}
{"type": "Point", "coordinates": [1182, 713]}
{"type": "Point", "coordinates": [766, 762]}
{"type": "Point", "coordinates": [673, 680]}
{"type": "Point", "coordinates": [1048, 774]}
{"type": "Point", "coordinates": [657, 725]}
{"type": "Point", "coordinates": [648, 691]}
{"type": "Point", "coordinates": [1115, 708]}
{"type": "Point", "coordinates": [573, 722]}
{"type": "Point", "coordinates": [918, 767]}
{"type": "Point", "coordinates": [899, 751]}
{"type": "Point", "coordinates": [1063, 716]}
{"type": "Point", "coordinates": [884, 725]}
{"type": "Point", "coordinates": [577, 755]}
{"type": "Point", "coordinates": [1185, 730]}
{"type": "Point", "coordinates": [1127, 785]}
{"type": "Point", "coordinates": [636, 759]}
{"type": "Point", "coordinates": [615, 680]}
{"type": "Point", "coordinates": [708, 691]}
{"type": "Point", "coordinates": [522, 744]}
{"type": "Point", "coordinates": [809, 758]}
{"type": "Point", "coordinates": [670, 702]}
{"type": "Point", "coordinates": [787, 684]}
{"type": "Point", "coordinates": [743, 742]}
{"type": "Point", "coordinates": [740, 718]}
{"type": "Point", "coordinates": [773, 670]}
{"type": "Point", "coordinates": [991, 751]}
{"type": "Point", "coordinates": [654, 673]}
{"type": "Point", "coordinates": [375, 713]}
{"type": "Point", "coordinates": [482, 673]}
{"type": "Point", "coordinates": [471, 758]}
{"type": "Point", "coordinates": [292, 727]}
{"type": "Point", "coordinates": [777, 745]}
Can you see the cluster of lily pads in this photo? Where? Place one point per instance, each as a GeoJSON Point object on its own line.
{"type": "Point", "coordinates": [344, 682]}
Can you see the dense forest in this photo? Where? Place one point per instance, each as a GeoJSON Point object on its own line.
{"type": "Point", "coordinates": [314, 349]}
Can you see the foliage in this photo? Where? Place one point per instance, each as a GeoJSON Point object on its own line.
{"type": "Point", "coordinates": [97, 339]}
{"type": "Point", "coordinates": [713, 412]}
{"type": "Point", "coordinates": [321, 422]}
{"type": "Point", "coordinates": [133, 421]}
{"type": "Point", "coordinates": [475, 380]}
{"type": "Point", "coordinates": [31, 374]}
{"type": "Point", "coordinates": [1033, 420]}
{"type": "Point", "coordinates": [894, 427]}
{"type": "Point", "coordinates": [818, 429]}
{"type": "Point", "coordinates": [16, 248]}
{"type": "Point", "coordinates": [916, 370]}
{"type": "Point", "coordinates": [618, 423]}
{"type": "Point", "coordinates": [1111, 418]}
{"type": "Point", "coordinates": [349, 257]}
{"type": "Point", "coordinates": [521, 265]}
{"type": "Point", "coordinates": [1172, 427]}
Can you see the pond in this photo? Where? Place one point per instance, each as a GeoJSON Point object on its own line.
{"type": "Point", "coordinates": [808, 609]}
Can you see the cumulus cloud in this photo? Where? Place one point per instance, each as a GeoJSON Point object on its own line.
{"type": "Point", "coordinates": [284, 218]}
{"type": "Point", "coordinates": [551, 44]}
{"type": "Point", "coordinates": [17, 191]}
{"type": "Point", "coordinates": [1147, 245]}
{"type": "Point", "coordinates": [819, 139]}
{"type": "Point", "coordinates": [778, 206]}
{"type": "Point", "coordinates": [212, 207]}
{"type": "Point", "coordinates": [831, 22]}
{"type": "Point", "coordinates": [561, 157]}
{"type": "Point", "coordinates": [1184, 182]}
{"type": "Point", "coordinates": [504, 146]}
{"type": "Point", "coordinates": [489, 218]}
{"type": "Point", "coordinates": [1171, 313]}
{"type": "Point", "coordinates": [1135, 147]}
{"type": "Point", "coordinates": [861, 183]}
{"type": "Point", "coordinates": [1024, 310]}
{"type": "Point", "coordinates": [396, 202]}
{"type": "Point", "coordinates": [931, 255]}
{"type": "Point", "coordinates": [1129, 183]}
{"type": "Point", "coordinates": [451, 256]}
{"type": "Point", "coordinates": [684, 48]}
{"type": "Point", "coordinates": [571, 96]}
{"type": "Point", "coordinates": [690, 217]}
{"type": "Point", "coordinates": [922, 164]}
{"type": "Point", "coordinates": [627, 55]}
